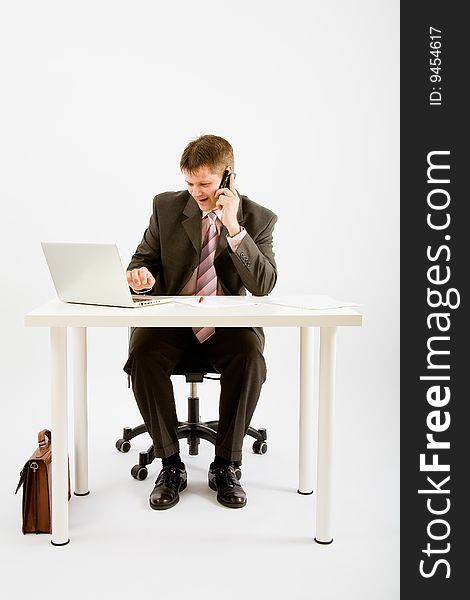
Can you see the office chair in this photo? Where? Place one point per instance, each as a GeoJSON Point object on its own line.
{"type": "Point", "coordinates": [195, 369]}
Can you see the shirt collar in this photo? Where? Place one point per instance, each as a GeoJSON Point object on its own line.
{"type": "Point", "coordinates": [218, 212]}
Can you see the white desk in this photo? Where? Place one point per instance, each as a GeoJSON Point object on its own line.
{"type": "Point", "coordinates": [59, 316]}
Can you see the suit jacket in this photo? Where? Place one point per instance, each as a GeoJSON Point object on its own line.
{"type": "Point", "coordinates": [171, 247]}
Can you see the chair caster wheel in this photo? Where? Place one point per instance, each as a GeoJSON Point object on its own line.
{"type": "Point", "coordinates": [123, 445]}
{"type": "Point", "coordinates": [238, 473]}
{"type": "Point", "coordinates": [139, 472]}
{"type": "Point", "coordinates": [260, 447]}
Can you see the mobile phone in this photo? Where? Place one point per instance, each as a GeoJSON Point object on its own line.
{"type": "Point", "coordinates": [225, 183]}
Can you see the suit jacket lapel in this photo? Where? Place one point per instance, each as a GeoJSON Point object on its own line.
{"type": "Point", "coordinates": [192, 223]}
{"type": "Point", "coordinates": [222, 244]}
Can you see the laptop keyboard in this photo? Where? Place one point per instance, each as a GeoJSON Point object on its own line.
{"type": "Point", "coordinates": [142, 299]}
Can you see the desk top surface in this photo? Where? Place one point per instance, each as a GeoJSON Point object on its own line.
{"type": "Point", "coordinates": [60, 314]}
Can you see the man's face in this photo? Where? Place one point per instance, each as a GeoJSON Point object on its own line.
{"type": "Point", "coordinates": [202, 185]}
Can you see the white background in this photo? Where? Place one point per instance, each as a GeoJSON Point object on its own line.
{"type": "Point", "coordinates": [98, 102]}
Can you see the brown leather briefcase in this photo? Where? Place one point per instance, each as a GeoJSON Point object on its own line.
{"type": "Point", "coordinates": [36, 479]}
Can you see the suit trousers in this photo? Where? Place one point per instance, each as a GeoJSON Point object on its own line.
{"type": "Point", "coordinates": [234, 352]}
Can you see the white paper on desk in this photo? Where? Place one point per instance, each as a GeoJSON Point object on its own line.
{"type": "Point", "coordinates": [215, 301]}
{"type": "Point", "coordinates": [311, 302]}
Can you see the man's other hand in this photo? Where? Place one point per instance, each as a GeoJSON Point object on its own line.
{"type": "Point", "coordinates": [140, 279]}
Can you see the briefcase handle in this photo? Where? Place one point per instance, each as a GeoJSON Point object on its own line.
{"type": "Point", "coordinates": [44, 438]}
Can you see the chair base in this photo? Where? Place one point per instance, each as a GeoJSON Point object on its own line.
{"type": "Point", "coordinates": [193, 430]}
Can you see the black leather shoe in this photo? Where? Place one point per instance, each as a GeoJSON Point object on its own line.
{"type": "Point", "coordinates": [170, 481]}
{"type": "Point", "coordinates": [223, 480]}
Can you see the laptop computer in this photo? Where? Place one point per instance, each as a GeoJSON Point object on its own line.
{"type": "Point", "coordinates": [92, 274]}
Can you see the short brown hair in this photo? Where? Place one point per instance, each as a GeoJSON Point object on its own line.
{"type": "Point", "coordinates": [207, 151]}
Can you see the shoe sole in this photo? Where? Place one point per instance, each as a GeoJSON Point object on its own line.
{"type": "Point", "coordinates": [221, 501]}
{"type": "Point", "coordinates": [169, 505]}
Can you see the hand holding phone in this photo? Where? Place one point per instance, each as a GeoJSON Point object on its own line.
{"type": "Point", "coordinates": [229, 203]}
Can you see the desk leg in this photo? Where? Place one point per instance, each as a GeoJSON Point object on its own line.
{"type": "Point", "coordinates": [325, 431]}
{"type": "Point", "coordinates": [60, 509]}
{"type": "Point", "coordinates": [80, 410]}
{"type": "Point", "coordinates": [307, 412]}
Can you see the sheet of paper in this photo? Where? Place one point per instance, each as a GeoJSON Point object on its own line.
{"type": "Point", "coordinates": [215, 301]}
{"type": "Point", "coordinates": [312, 302]}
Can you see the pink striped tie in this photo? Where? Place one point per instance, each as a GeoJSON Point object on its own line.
{"type": "Point", "coordinates": [206, 284]}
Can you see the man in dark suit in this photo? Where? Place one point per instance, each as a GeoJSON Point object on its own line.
{"type": "Point", "coordinates": [203, 241]}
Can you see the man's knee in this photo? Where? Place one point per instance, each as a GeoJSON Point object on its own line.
{"type": "Point", "coordinates": [253, 355]}
{"type": "Point", "coordinates": [248, 353]}
{"type": "Point", "coordinates": [145, 352]}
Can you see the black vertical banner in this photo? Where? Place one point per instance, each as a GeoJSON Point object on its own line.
{"type": "Point", "coordinates": [435, 344]}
